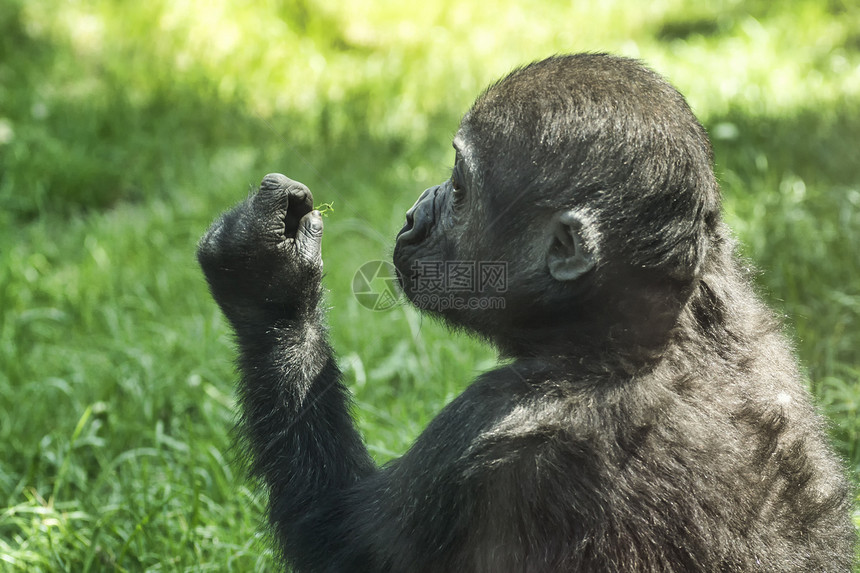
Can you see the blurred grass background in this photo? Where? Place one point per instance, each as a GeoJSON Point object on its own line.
{"type": "Point", "coordinates": [126, 127]}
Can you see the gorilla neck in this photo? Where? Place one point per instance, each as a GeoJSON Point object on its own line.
{"type": "Point", "coordinates": [634, 327]}
{"type": "Point", "coordinates": [587, 339]}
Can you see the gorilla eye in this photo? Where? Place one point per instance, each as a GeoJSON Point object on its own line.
{"type": "Point", "coordinates": [457, 179]}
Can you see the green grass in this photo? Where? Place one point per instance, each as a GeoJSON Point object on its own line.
{"type": "Point", "coordinates": [126, 127]}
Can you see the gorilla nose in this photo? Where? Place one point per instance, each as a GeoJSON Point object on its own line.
{"type": "Point", "coordinates": [410, 213]}
{"type": "Point", "coordinates": [419, 217]}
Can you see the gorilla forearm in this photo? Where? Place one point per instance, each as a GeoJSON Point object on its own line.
{"type": "Point", "coordinates": [262, 262]}
{"type": "Point", "coordinates": [301, 439]}
{"type": "Point", "coordinates": [295, 417]}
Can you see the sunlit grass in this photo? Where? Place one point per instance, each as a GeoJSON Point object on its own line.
{"type": "Point", "coordinates": [126, 127]}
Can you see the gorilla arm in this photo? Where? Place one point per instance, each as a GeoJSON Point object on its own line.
{"type": "Point", "coordinates": [263, 264]}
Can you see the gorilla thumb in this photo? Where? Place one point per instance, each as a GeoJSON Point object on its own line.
{"type": "Point", "coordinates": [309, 238]}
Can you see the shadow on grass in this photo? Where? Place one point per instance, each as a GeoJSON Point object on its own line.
{"type": "Point", "coordinates": [719, 18]}
{"type": "Point", "coordinates": [81, 132]}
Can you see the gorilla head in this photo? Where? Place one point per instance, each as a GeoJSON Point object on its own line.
{"type": "Point", "coordinates": [587, 179]}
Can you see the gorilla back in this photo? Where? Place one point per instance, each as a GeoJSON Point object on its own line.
{"type": "Point", "coordinates": [651, 417]}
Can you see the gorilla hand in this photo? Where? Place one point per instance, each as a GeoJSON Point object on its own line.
{"type": "Point", "coordinates": [263, 258]}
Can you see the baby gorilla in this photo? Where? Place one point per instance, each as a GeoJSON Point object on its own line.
{"type": "Point", "coordinates": [650, 418]}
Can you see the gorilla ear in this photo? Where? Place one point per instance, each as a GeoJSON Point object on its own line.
{"type": "Point", "coordinates": [570, 256]}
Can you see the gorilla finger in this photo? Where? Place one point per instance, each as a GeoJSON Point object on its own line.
{"type": "Point", "coordinates": [301, 202]}
{"type": "Point", "coordinates": [309, 237]}
{"type": "Point", "coordinates": [275, 181]}
{"type": "Point", "coordinates": [285, 198]}
{"type": "Point", "coordinates": [285, 192]}
{"type": "Point", "coordinates": [272, 197]}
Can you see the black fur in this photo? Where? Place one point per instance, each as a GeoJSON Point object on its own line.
{"type": "Point", "coordinates": [652, 417]}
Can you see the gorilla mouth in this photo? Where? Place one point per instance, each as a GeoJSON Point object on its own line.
{"type": "Point", "coordinates": [410, 233]}
{"type": "Point", "coordinates": [419, 218]}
